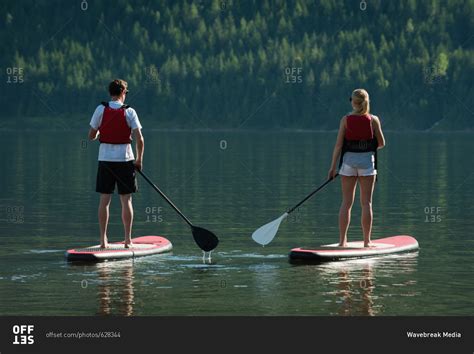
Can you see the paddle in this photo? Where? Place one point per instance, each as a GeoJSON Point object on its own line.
{"type": "Point", "coordinates": [265, 234]}
{"type": "Point", "coordinates": [205, 239]}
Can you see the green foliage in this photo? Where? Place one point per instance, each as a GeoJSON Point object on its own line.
{"type": "Point", "coordinates": [243, 64]}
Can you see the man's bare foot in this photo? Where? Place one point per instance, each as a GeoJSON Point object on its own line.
{"type": "Point", "coordinates": [128, 244]}
{"type": "Point", "coordinates": [104, 245]}
{"type": "Point", "coordinates": [370, 244]}
{"type": "Point", "coordinates": [343, 244]}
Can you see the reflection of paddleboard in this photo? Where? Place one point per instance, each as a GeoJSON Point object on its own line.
{"type": "Point", "coordinates": [142, 246]}
{"type": "Point", "coordinates": [383, 246]}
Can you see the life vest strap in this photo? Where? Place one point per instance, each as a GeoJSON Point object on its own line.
{"type": "Point", "coordinates": [360, 145]}
{"type": "Point", "coordinates": [106, 104]}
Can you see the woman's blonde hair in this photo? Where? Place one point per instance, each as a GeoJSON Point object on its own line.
{"type": "Point", "coordinates": [360, 97]}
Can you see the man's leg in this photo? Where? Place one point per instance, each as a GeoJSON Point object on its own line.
{"type": "Point", "coordinates": [127, 217]}
{"type": "Point", "coordinates": [104, 217]}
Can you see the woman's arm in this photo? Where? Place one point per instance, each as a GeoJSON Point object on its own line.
{"type": "Point", "coordinates": [378, 132]}
{"type": "Point", "coordinates": [337, 148]}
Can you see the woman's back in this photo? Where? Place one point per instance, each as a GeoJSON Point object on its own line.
{"type": "Point", "coordinates": [359, 127]}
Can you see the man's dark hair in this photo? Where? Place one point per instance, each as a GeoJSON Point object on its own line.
{"type": "Point", "coordinates": [117, 86]}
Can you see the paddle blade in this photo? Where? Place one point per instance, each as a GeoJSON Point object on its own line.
{"type": "Point", "coordinates": [205, 239]}
{"type": "Point", "coordinates": [265, 234]}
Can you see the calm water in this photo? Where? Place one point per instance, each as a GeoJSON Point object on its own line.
{"type": "Point", "coordinates": [232, 183]}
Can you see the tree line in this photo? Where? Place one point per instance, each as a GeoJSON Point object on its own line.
{"type": "Point", "coordinates": [240, 64]}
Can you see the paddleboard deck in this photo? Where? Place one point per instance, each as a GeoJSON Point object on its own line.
{"type": "Point", "coordinates": [332, 252]}
{"type": "Point", "coordinates": [142, 246]}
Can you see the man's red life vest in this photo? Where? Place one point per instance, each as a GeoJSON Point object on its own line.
{"type": "Point", "coordinates": [114, 128]}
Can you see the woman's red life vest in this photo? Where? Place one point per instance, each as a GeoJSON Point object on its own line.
{"type": "Point", "coordinates": [359, 127]}
{"type": "Point", "coordinates": [114, 128]}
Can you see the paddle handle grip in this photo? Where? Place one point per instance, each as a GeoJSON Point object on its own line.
{"type": "Point", "coordinates": [155, 187]}
{"type": "Point", "coordinates": [311, 194]}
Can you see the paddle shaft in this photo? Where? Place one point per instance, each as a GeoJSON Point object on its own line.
{"type": "Point", "coordinates": [311, 194]}
{"type": "Point", "coordinates": [155, 187]}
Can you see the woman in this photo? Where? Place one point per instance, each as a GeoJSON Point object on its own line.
{"type": "Point", "coordinates": [360, 135]}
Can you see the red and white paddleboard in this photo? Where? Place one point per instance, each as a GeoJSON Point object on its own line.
{"type": "Point", "coordinates": [332, 252]}
{"type": "Point", "coordinates": [142, 246]}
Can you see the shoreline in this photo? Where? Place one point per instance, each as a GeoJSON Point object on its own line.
{"type": "Point", "coordinates": [230, 130]}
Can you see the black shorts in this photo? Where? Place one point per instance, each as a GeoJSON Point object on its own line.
{"type": "Point", "coordinates": [120, 173]}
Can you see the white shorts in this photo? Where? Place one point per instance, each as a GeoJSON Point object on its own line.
{"type": "Point", "coordinates": [347, 170]}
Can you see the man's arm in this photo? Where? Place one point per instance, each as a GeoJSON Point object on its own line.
{"type": "Point", "coordinates": [95, 122]}
{"type": "Point", "coordinates": [93, 134]}
{"type": "Point", "coordinates": [140, 146]}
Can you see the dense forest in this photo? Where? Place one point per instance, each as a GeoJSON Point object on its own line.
{"type": "Point", "coordinates": [247, 64]}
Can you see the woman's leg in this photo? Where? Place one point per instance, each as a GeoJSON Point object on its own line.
{"type": "Point", "coordinates": [366, 184]}
{"type": "Point", "coordinates": [348, 191]}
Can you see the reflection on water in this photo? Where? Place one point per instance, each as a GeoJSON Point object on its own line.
{"type": "Point", "coordinates": [115, 284]}
{"type": "Point", "coordinates": [116, 289]}
{"type": "Point", "coordinates": [355, 285]}
{"type": "Point", "coordinates": [349, 298]}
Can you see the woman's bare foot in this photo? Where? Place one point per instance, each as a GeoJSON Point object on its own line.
{"type": "Point", "coordinates": [104, 242]}
{"type": "Point", "coordinates": [342, 241]}
{"type": "Point", "coordinates": [128, 244]}
{"type": "Point", "coordinates": [369, 244]}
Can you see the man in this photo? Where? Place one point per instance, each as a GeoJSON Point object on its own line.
{"type": "Point", "coordinates": [113, 123]}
